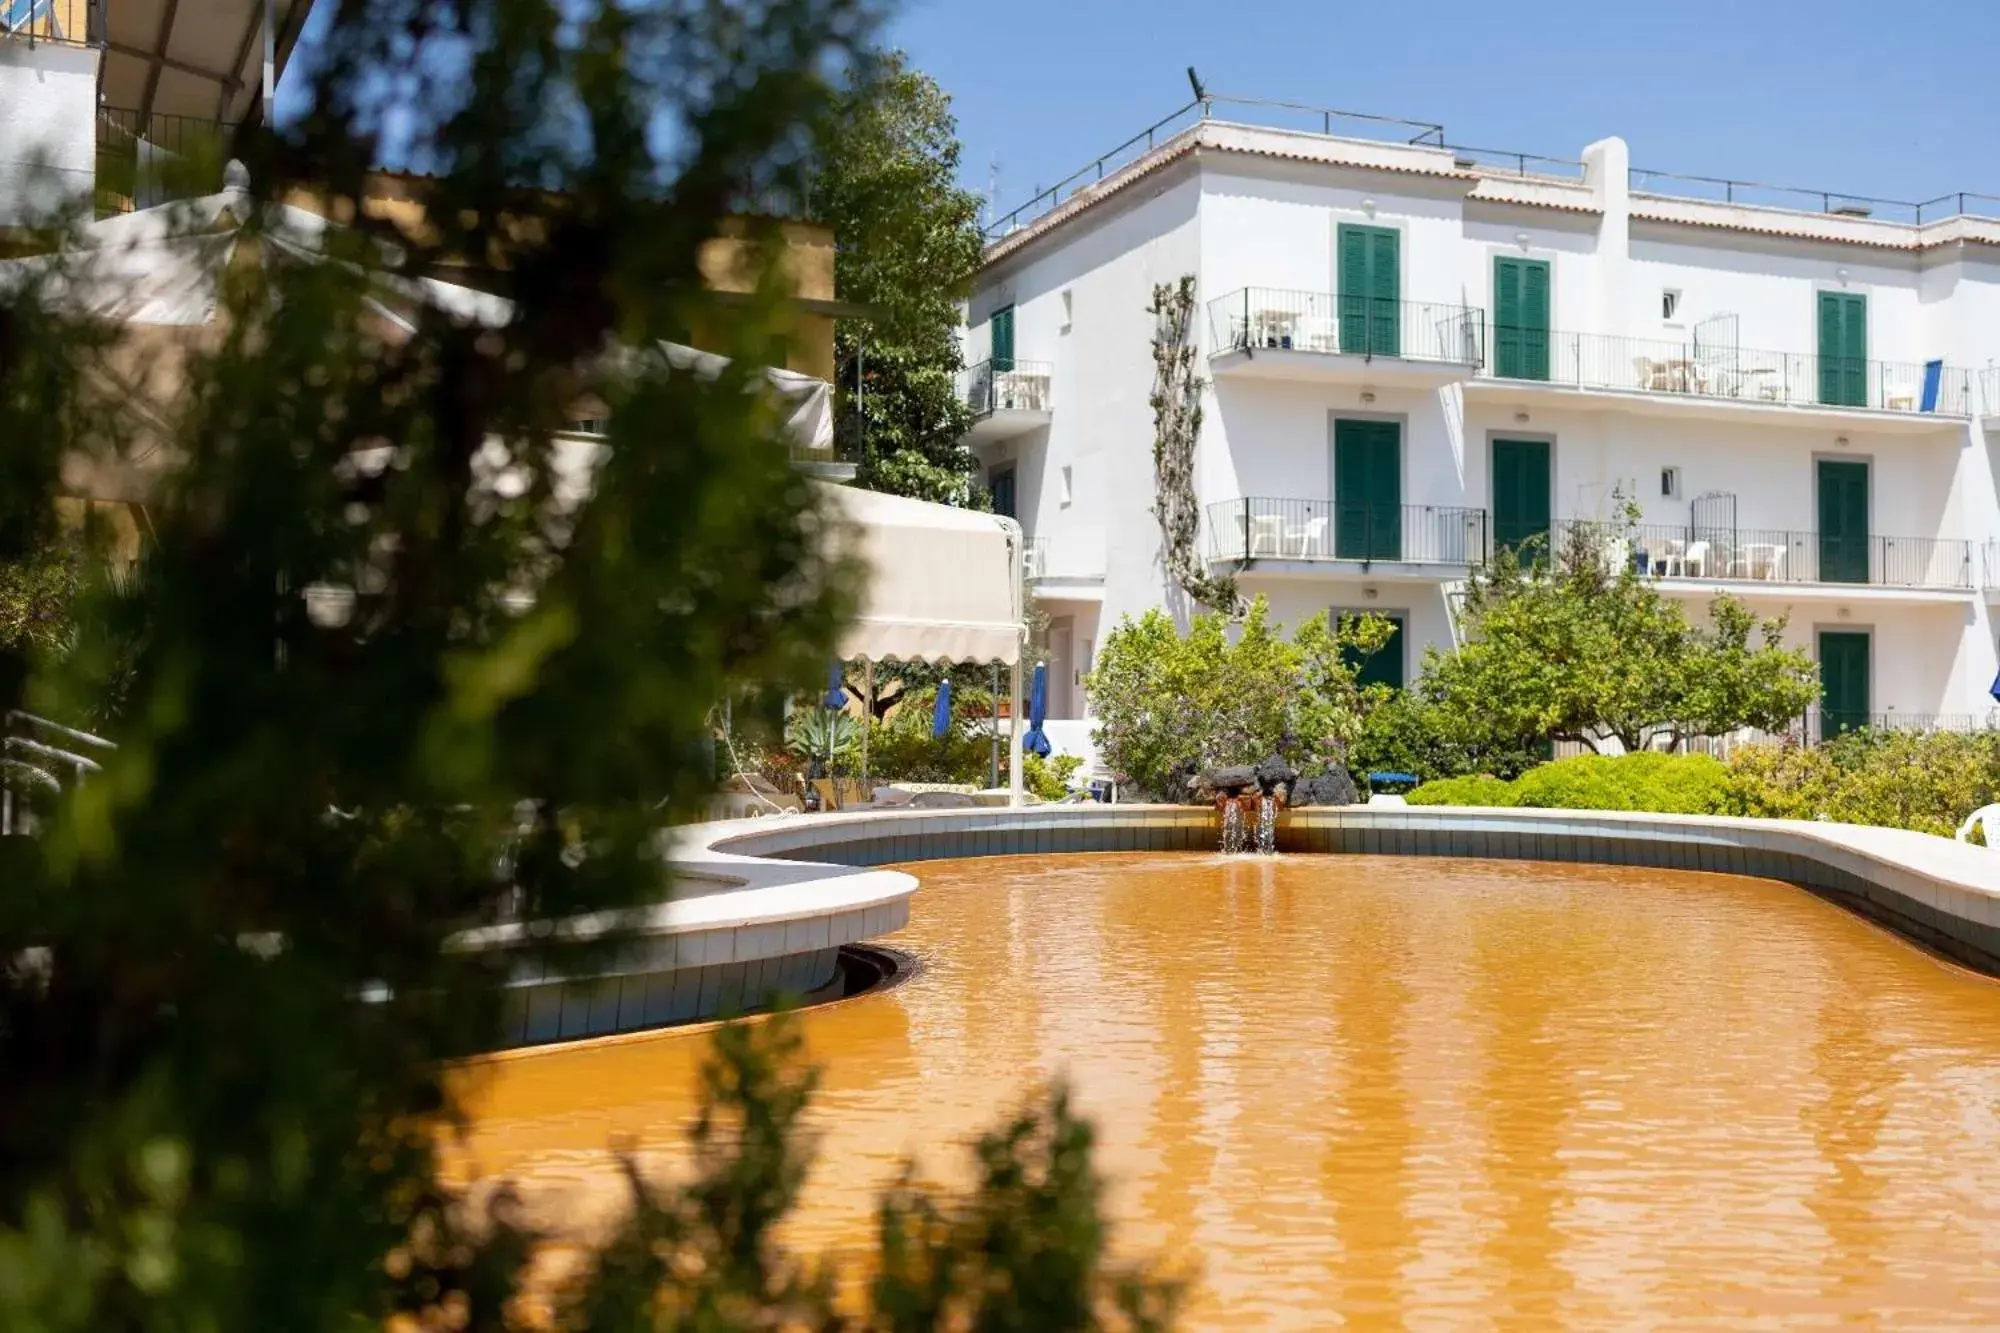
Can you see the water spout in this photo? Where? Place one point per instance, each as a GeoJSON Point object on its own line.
{"type": "Point", "coordinates": [1267, 826]}
{"type": "Point", "coordinates": [1232, 829]}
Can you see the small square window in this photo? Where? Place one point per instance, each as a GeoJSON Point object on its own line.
{"type": "Point", "coordinates": [1066, 492]}
{"type": "Point", "coordinates": [1670, 305]}
{"type": "Point", "coordinates": [1670, 483]}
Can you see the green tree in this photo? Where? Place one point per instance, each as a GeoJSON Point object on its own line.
{"type": "Point", "coordinates": [1170, 706]}
{"type": "Point", "coordinates": [228, 989]}
{"type": "Point", "coordinates": [909, 247]}
{"type": "Point", "coordinates": [1583, 648]}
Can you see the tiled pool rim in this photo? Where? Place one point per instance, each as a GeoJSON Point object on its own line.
{"type": "Point", "coordinates": [1940, 893]}
{"type": "Point", "coordinates": [762, 906]}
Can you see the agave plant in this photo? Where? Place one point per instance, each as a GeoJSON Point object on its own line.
{"type": "Point", "coordinates": [815, 733]}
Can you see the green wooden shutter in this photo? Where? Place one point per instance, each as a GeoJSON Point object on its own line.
{"type": "Point", "coordinates": [1385, 665]}
{"type": "Point", "coordinates": [1370, 295]}
{"type": "Point", "coordinates": [1534, 320]}
{"type": "Point", "coordinates": [1003, 339]}
{"type": "Point", "coordinates": [1520, 493]}
{"type": "Point", "coordinates": [1843, 521]}
{"type": "Point", "coordinates": [1352, 282]}
{"type": "Point", "coordinates": [1520, 318]}
{"type": "Point", "coordinates": [1367, 490]}
{"type": "Point", "coordinates": [1002, 486]}
{"type": "Point", "coordinates": [1843, 349]}
{"type": "Point", "coordinates": [1843, 681]}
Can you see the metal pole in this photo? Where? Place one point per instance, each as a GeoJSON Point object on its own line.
{"type": "Point", "coordinates": [867, 716]}
{"type": "Point", "coordinates": [993, 706]}
{"type": "Point", "coordinates": [1016, 787]}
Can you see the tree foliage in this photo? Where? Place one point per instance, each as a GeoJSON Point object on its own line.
{"type": "Point", "coordinates": [1583, 648]}
{"type": "Point", "coordinates": [228, 986]}
{"type": "Point", "coordinates": [909, 247]}
{"type": "Point", "coordinates": [1170, 706]}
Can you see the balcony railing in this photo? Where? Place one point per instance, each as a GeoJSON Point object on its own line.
{"type": "Point", "coordinates": [1766, 555]}
{"type": "Point", "coordinates": [144, 161]}
{"type": "Point", "coordinates": [1005, 385]}
{"type": "Point", "coordinates": [1989, 380]}
{"type": "Point", "coordinates": [1046, 561]}
{"type": "Point", "coordinates": [1337, 325]}
{"type": "Point", "coordinates": [1260, 528]}
{"type": "Point", "coordinates": [1692, 369]}
{"type": "Point", "coordinates": [69, 22]}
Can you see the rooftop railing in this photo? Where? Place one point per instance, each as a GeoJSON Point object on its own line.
{"type": "Point", "coordinates": [1334, 123]}
{"type": "Point", "coordinates": [1004, 384]}
{"type": "Point", "coordinates": [68, 22]}
{"type": "Point", "coordinates": [1724, 554]}
{"type": "Point", "coordinates": [1688, 368]}
{"type": "Point", "coordinates": [1989, 382]}
{"type": "Point", "coordinates": [1266, 528]}
{"type": "Point", "coordinates": [1257, 318]}
{"type": "Point", "coordinates": [144, 161]}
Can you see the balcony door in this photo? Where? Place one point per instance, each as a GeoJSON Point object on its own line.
{"type": "Point", "coordinates": [1003, 340]}
{"type": "Point", "coordinates": [1843, 349]}
{"type": "Point", "coordinates": [1843, 681]}
{"type": "Point", "coordinates": [1371, 290]}
{"type": "Point", "coordinates": [1521, 495]}
{"type": "Point", "coordinates": [1384, 666]}
{"type": "Point", "coordinates": [1843, 521]}
{"type": "Point", "coordinates": [1367, 490]}
{"type": "Point", "coordinates": [1520, 318]}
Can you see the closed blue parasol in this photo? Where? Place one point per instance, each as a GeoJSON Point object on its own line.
{"type": "Point", "coordinates": [1034, 742]}
{"type": "Point", "coordinates": [836, 692]}
{"type": "Point", "coordinates": [941, 714]}
{"type": "Point", "coordinates": [1994, 688]}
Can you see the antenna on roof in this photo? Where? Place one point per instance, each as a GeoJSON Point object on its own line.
{"type": "Point", "coordinates": [1194, 82]}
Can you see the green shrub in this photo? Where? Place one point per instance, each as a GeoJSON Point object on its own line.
{"type": "Point", "coordinates": [1684, 784]}
{"type": "Point", "coordinates": [1481, 789]}
{"type": "Point", "coordinates": [1049, 778]}
{"type": "Point", "coordinates": [1403, 732]}
{"type": "Point", "coordinates": [1927, 782]}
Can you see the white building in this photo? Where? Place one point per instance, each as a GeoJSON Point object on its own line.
{"type": "Point", "coordinates": [1416, 351]}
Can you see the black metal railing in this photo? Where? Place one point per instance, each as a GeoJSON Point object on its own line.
{"type": "Point", "coordinates": [1691, 369]}
{"type": "Point", "coordinates": [1769, 555]}
{"type": "Point", "coordinates": [1989, 383]}
{"type": "Point", "coordinates": [1005, 385]}
{"type": "Point", "coordinates": [1258, 318]}
{"type": "Point", "coordinates": [1263, 528]}
{"type": "Point", "coordinates": [65, 22]}
{"type": "Point", "coordinates": [144, 161]}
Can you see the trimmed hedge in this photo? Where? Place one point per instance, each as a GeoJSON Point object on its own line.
{"type": "Point", "coordinates": [1672, 784]}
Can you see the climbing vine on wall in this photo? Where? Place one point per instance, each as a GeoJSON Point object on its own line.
{"type": "Point", "coordinates": [1176, 403]}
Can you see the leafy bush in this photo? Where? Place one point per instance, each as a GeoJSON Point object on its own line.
{"type": "Point", "coordinates": [1170, 705]}
{"type": "Point", "coordinates": [1049, 778]}
{"type": "Point", "coordinates": [814, 733]}
{"type": "Point", "coordinates": [1684, 784]}
{"type": "Point", "coordinates": [1927, 782]}
{"type": "Point", "coordinates": [1406, 732]}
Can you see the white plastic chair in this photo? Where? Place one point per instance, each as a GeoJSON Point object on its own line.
{"type": "Point", "coordinates": [1267, 534]}
{"type": "Point", "coordinates": [1987, 819]}
{"type": "Point", "coordinates": [1696, 560]}
{"type": "Point", "coordinates": [1312, 537]}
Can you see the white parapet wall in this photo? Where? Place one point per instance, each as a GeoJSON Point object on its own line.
{"type": "Point", "coordinates": [48, 129]}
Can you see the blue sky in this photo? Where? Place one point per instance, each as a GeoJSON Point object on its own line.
{"type": "Point", "coordinates": [1900, 100]}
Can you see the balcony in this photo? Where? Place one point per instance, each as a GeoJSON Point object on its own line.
{"type": "Point", "coordinates": [1007, 398]}
{"type": "Point", "coordinates": [1273, 334]}
{"type": "Point", "coordinates": [1764, 556]}
{"type": "Point", "coordinates": [145, 161]}
{"type": "Point", "coordinates": [1319, 532]}
{"type": "Point", "coordinates": [67, 22]}
{"type": "Point", "coordinates": [1989, 383]}
{"type": "Point", "coordinates": [1059, 571]}
{"type": "Point", "coordinates": [1737, 378]}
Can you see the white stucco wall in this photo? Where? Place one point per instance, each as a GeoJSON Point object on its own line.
{"type": "Point", "coordinates": [48, 128]}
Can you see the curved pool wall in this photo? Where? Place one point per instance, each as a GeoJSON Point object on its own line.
{"type": "Point", "coordinates": [763, 905]}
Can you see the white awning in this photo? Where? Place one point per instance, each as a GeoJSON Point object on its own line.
{"type": "Point", "coordinates": [944, 584]}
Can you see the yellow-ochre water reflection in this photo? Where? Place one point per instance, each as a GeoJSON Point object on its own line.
{"type": "Point", "coordinates": [1389, 1092]}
